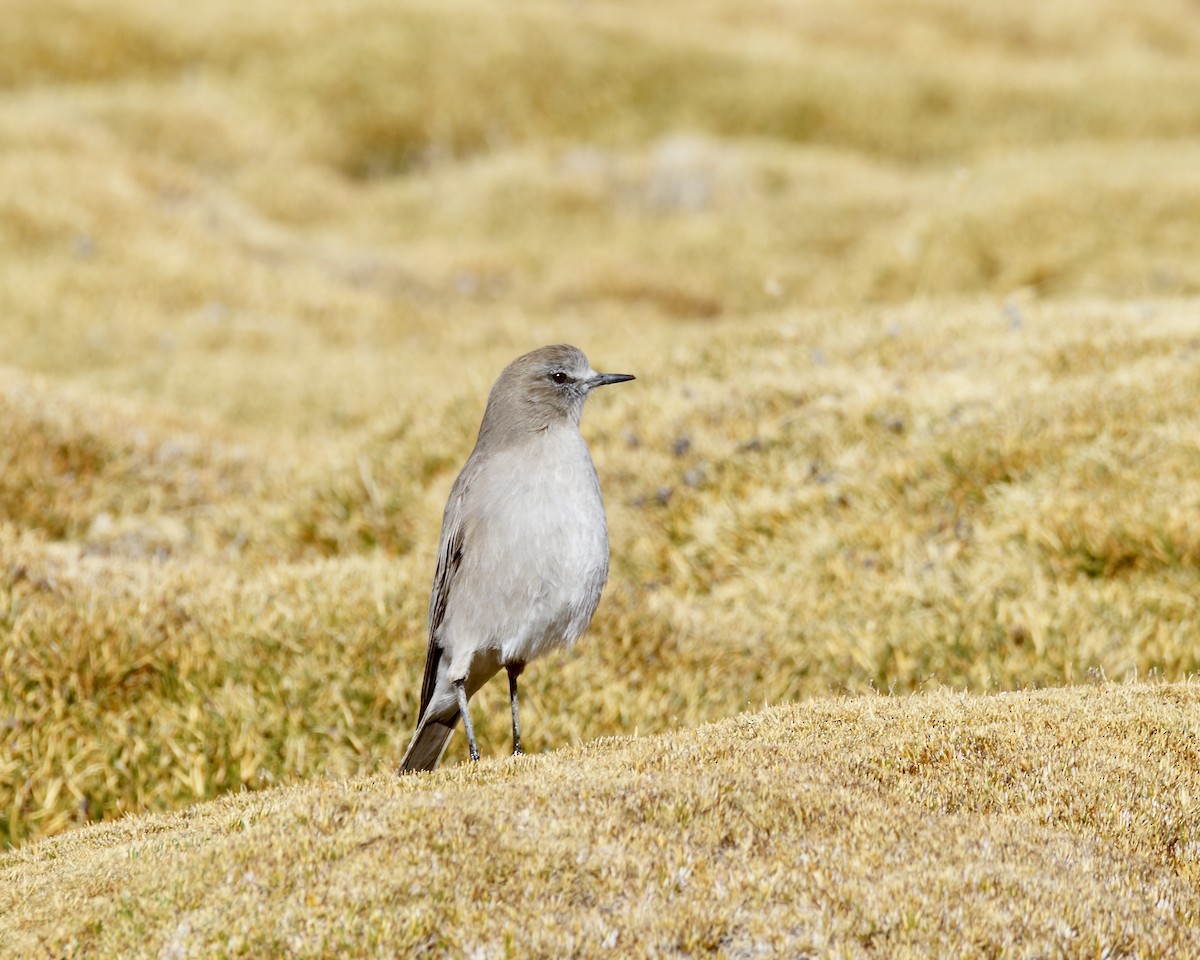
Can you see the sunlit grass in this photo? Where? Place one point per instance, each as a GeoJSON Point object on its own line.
{"type": "Point", "coordinates": [909, 289]}
{"type": "Point", "coordinates": [1053, 822]}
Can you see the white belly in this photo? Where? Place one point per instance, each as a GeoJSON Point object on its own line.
{"type": "Point", "coordinates": [535, 552]}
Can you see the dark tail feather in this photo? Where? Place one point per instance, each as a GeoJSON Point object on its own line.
{"type": "Point", "coordinates": [428, 745]}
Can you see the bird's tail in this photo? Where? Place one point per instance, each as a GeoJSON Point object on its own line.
{"type": "Point", "coordinates": [428, 745]}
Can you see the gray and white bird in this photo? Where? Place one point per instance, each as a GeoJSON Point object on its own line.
{"type": "Point", "coordinates": [524, 549]}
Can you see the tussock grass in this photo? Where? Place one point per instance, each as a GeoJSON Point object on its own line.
{"type": "Point", "coordinates": [894, 514]}
{"type": "Point", "coordinates": [1058, 822]}
{"type": "Point", "coordinates": [910, 291]}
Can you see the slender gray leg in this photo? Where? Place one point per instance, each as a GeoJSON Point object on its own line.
{"type": "Point", "coordinates": [460, 691]}
{"type": "Point", "coordinates": [514, 671]}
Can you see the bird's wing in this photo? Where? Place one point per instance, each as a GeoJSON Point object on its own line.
{"type": "Point", "coordinates": [448, 562]}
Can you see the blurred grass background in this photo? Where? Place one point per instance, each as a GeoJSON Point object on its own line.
{"type": "Point", "coordinates": [909, 289]}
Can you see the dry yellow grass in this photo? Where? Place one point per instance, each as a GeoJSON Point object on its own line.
{"type": "Point", "coordinates": [910, 289]}
{"type": "Point", "coordinates": [1058, 823]}
{"type": "Point", "coordinates": [896, 515]}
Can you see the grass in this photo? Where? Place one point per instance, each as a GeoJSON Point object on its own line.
{"type": "Point", "coordinates": [910, 290]}
{"type": "Point", "coordinates": [1034, 821]}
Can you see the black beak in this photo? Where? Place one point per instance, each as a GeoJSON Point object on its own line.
{"type": "Point", "coordinates": [604, 379]}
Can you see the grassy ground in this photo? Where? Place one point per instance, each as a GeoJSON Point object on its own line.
{"type": "Point", "coordinates": [1058, 823]}
{"type": "Point", "coordinates": [910, 289]}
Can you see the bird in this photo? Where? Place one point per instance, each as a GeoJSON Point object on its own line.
{"type": "Point", "coordinates": [523, 555]}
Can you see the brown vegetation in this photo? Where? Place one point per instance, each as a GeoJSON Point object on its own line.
{"type": "Point", "coordinates": [1053, 823]}
{"type": "Point", "coordinates": [910, 292]}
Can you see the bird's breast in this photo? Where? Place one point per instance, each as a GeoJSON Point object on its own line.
{"type": "Point", "coordinates": [536, 548]}
{"type": "Point", "coordinates": [543, 505]}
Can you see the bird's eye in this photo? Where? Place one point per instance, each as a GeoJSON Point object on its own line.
{"type": "Point", "coordinates": [559, 377]}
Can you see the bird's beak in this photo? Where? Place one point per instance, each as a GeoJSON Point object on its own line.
{"type": "Point", "coordinates": [604, 379]}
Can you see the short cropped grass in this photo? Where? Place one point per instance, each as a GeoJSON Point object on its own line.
{"type": "Point", "coordinates": [927, 495]}
{"type": "Point", "coordinates": [911, 293]}
{"type": "Point", "coordinates": [1057, 823]}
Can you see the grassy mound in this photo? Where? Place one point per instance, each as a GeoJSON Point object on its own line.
{"type": "Point", "coordinates": [1021, 824]}
{"type": "Point", "coordinates": [910, 289]}
{"type": "Point", "coordinates": [897, 513]}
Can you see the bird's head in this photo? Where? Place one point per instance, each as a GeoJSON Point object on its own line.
{"type": "Point", "coordinates": [544, 387]}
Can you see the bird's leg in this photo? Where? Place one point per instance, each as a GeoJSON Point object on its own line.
{"type": "Point", "coordinates": [460, 691]}
{"type": "Point", "coordinates": [514, 671]}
